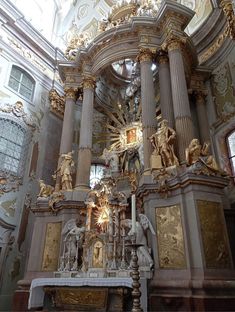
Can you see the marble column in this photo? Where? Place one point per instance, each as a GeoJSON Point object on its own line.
{"type": "Point", "coordinates": [166, 102]}
{"type": "Point", "coordinates": [67, 129]}
{"type": "Point", "coordinates": [203, 123]}
{"type": "Point", "coordinates": [149, 121]}
{"type": "Point", "coordinates": [183, 119]}
{"type": "Point", "coordinates": [85, 141]}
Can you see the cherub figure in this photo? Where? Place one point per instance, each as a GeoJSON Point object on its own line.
{"type": "Point", "coordinates": [45, 190]}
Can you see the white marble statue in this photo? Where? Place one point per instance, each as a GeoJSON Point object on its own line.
{"type": "Point", "coordinates": [143, 252]}
{"type": "Point", "coordinates": [72, 240]}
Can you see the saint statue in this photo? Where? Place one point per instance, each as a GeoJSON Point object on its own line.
{"type": "Point", "coordinates": [45, 190]}
{"type": "Point", "coordinates": [195, 153]}
{"type": "Point", "coordinates": [65, 171]}
{"type": "Point", "coordinates": [162, 142]}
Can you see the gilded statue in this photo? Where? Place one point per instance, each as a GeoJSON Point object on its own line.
{"type": "Point", "coordinates": [65, 171]}
{"type": "Point", "coordinates": [162, 142]}
{"type": "Point", "coordinates": [196, 153]}
{"type": "Point", "coordinates": [45, 190]}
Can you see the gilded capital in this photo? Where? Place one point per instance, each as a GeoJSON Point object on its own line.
{"type": "Point", "coordinates": [145, 55]}
{"type": "Point", "coordinates": [70, 93]}
{"type": "Point", "coordinates": [174, 42]}
{"type": "Point", "coordinates": [200, 96]}
{"type": "Point", "coordinates": [162, 57]}
{"type": "Point", "coordinates": [88, 83]}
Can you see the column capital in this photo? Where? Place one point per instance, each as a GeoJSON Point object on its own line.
{"type": "Point", "coordinates": [200, 95]}
{"type": "Point", "coordinates": [145, 55]}
{"type": "Point", "coordinates": [162, 57]}
{"type": "Point", "coordinates": [70, 93]}
{"type": "Point", "coordinates": [174, 43]}
{"type": "Point", "coordinates": [88, 82]}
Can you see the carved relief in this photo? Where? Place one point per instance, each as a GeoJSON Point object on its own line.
{"type": "Point", "coordinates": [86, 297]}
{"type": "Point", "coordinates": [223, 90]}
{"type": "Point", "coordinates": [17, 110]}
{"type": "Point", "coordinates": [213, 233]}
{"type": "Point", "coordinates": [170, 238]}
{"type": "Point", "coordinates": [9, 182]}
{"type": "Point", "coordinates": [57, 103]}
{"type": "Point", "coordinates": [51, 247]}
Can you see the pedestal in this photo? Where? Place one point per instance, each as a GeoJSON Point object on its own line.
{"type": "Point", "coordinates": [193, 263]}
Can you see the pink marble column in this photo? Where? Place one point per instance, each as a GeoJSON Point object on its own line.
{"type": "Point", "coordinates": [85, 142]}
{"type": "Point", "coordinates": [183, 119]}
{"type": "Point", "coordinates": [166, 102]}
{"type": "Point", "coordinates": [148, 103]}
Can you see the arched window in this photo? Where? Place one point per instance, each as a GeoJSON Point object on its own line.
{"type": "Point", "coordinates": [96, 173]}
{"type": "Point", "coordinates": [21, 82]}
{"type": "Point", "coordinates": [231, 150]}
{"type": "Point", "coordinates": [13, 147]}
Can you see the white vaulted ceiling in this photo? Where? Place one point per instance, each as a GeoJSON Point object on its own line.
{"type": "Point", "coordinates": [59, 20]}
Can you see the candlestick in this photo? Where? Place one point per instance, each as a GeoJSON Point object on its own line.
{"type": "Point", "coordinates": [133, 214]}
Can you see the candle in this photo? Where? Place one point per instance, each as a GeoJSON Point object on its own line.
{"type": "Point", "coordinates": [133, 214]}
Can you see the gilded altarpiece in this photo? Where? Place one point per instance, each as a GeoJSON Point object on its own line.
{"type": "Point", "coordinates": [213, 233]}
{"type": "Point", "coordinates": [51, 247]}
{"type": "Point", "coordinates": [170, 238]}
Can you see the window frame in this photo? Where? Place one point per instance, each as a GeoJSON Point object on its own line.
{"type": "Point", "coordinates": [230, 156]}
{"type": "Point", "coordinates": [24, 146]}
{"type": "Point", "coordinates": [23, 73]}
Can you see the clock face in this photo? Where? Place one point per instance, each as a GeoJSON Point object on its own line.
{"type": "Point", "coordinates": [96, 173]}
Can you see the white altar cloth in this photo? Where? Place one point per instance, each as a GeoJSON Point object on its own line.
{"type": "Point", "coordinates": [36, 296]}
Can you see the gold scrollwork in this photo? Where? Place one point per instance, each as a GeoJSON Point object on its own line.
{"type": "Point", "coordinates": [57, 103]}
{"type": "Point", "coordinates": [170, 238]}
{"type": "Point", "coordinates": [88, 83]}
{"type": "Point", "coordinates": [213, 233]}
{"type": "Point", "coordinates": [70, 93]}
{"type": "Point", "coordinates": [227, 8]}
{"type": "Point", "coordinates": [145, 55]}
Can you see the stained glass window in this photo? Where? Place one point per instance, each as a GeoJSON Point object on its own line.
{"type": "Point", "coordinates": [21, 82]}
{"type": "Point", "coordinates": [13, 146]}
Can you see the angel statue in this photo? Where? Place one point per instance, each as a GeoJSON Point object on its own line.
{"type": "Point", "coordinates": [143, 252]}
{"type": "Point", "coordinates": [73, 237]}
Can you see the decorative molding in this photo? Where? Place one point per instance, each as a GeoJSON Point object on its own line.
{"type": "Point", "coordinates": [9, 182]}
{"type": "Point", "coordinates": [17, 110]}
{"type": "Point", "coordinates": [227, 8]}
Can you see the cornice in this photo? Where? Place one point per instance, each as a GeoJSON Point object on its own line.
{"type": "Point", "coordinates": [15, 23]}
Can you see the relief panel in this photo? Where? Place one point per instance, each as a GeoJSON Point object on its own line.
{"type": "Point", "coordinates": [170, 238]}
{"type": "Point", "coordinates": [213, 234]}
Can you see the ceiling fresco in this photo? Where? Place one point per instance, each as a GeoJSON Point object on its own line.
{"type": "Point", "coordinates": [60, 20]}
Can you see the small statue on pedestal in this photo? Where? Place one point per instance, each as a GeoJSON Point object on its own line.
{"type": "Point", "coordinates": [45, 190]}
{"type": "Point", "coordinates": [65, 171]}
